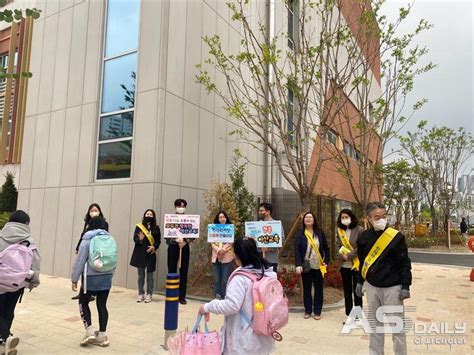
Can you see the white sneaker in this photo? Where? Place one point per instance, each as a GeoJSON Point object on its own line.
{"type": "Point", "coordinates": [11, 344]}
{"type": "Point", "coordinates": [140, 298]}
{"type": "Point", "coordinates": [88, 339]}
{"type": "Point", "coordinates": [101, 341]}
{"type": "Point", "coordinates": [148, 298]}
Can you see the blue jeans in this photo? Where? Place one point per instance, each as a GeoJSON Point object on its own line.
{"type": "Point", "coordinates": [141, 282]}
{"type": "Point", "coordinates": [221, 275]}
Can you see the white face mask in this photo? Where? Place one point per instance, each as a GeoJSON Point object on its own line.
{"type": "Point", "coordinates": [380, 224]}
{"type": "Point", "coordinates": [180, 210]}
{"type": "Point", "coordinates": [94, 214]}
{"type": "Point", "coordinates": [346, 221]}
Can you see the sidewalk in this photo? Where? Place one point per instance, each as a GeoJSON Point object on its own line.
{"type": "Point", "coordinates": [47, 321]}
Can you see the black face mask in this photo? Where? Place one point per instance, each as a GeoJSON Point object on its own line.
{"type": "Point", "coordinates": [148, 219]}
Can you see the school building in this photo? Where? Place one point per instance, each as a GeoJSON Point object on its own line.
{"type": "Point", "coordinates": [112, 114]}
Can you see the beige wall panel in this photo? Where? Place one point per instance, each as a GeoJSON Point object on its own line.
{"type": "Point", "coordinates": [48, 64]}
{"type": "Point", "coordinates": [71, 146]}
{"type": "Point", "coordinates": [208, 29]}
{"type": "Point", "coordinates": [48, 229]}
{"type": "Point", "coordinates": [23, 200]}
{"type": "Point", "coordinates": [40, 150]}
{"type": "Point", "coordinates": [78, 54]}
{"type": "Point", "coordinates": [55, 148]}
{"type": "Point", "coordinates": [220, 149]}
{"type": "Point", "coordinates": [35, 69]}
{"type": "Point", "coordinates": [190, 161]}
{"type": "Point", "coordinates": [172, 140]}
{"type": "Point", "coordinates": [145, 142]}
{"type": "Point", "coordinates": [61, 63]}
{"type": "Point", "coordinates": [65, 237]}
{"type": "Point", "coordinates": [27, 152]}
{"type": "Point", "coordinates": [36, 216]}
{"type": "Point", "coordinates": [87, 145]}
{"type": "Point", "coordinates": [83, 199]}
{"type": "Point", "coordinates": [206, 148]}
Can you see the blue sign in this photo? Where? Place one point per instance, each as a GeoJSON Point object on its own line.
{"type": "Point", "coordinates": [267, 234]}
{"type": "Point", "coordinates": [220, 233]}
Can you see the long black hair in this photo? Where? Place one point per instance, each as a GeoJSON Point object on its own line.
{"type": "Point", "coordinates": [98, 223]}
{"type": "Point", "coordinates": [316, 224]}
{"type": "Point", "coordinates": [246, 250]}
{"type": "Point", "coordinates": [87, 218]}
{"type": "Point", "coordinates": [354, 220]}
{"type": "Point", "coordinates": [227, 219]}
{"type": "Point", "coordinates": [153, 224]}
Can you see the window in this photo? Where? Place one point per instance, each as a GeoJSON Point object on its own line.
{"type": "Point", "coordinates": [290, 125]}
{"type": "Point", "coordinates": [352, 152]}
{"type": "Point", "coordinates": [117, 108]}
{"type": "Point", "coordinates": [292, 23]}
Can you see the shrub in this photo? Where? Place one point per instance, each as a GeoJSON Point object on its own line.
{"type": "Point", "coordinates": [4, 216]}
{"type": "Point", "coordinates": [333, 276]}
{"type": "Point", "coordinates": [289, 280]}
{"type": "Point", "coordinates": [9, 194]}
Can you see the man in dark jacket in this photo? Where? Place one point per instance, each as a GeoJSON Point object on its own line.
{"type": "Point", "coordinates": [464, 228]}
{"type": "Point", "coordinates": [386, 269]}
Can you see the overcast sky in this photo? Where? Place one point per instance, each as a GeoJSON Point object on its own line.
{"type": "Point", "coordinates": [448, 87]}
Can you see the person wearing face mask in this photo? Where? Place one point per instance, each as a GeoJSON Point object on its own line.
{"type": "Point", "coordinates": [176, 247]}
{"type": "Point", "coordinates": [222, 258]}
{"type": "Point", "coordinates": [93, 211]}
{"type": "Point", "coordinates": [147, 239]}
{"type": "Point", "coordinates": [348, 232]}
{"type": "Point", "coordinates": [386, 269]}
{"type": "Point", "coordinates": [265, 211]}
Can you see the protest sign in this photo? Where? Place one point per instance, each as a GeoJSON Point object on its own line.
{"type": "Point", "coordinates": [181, 226]}
{"type": "Point", "coordinates": [220, 233]}
{"type": "Point", "coordinates": [267, 234]}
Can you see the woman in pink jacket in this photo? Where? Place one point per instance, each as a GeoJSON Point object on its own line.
{"type": "Point", "coordinates": [222, 259]}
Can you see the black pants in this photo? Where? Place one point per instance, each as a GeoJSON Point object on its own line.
{"type": "Point", "coordinates": [274, 266]}
{"type": "Point", "coordinates": [101, 301]}
{"type": "Point", "coordinates": [8, 303]}
{"type": "Point", "coordinates": [349, 282]}
{"type": "Point", "coordinates": [173, 257]}
{"type": "Point", "coordinates": [311, 278]}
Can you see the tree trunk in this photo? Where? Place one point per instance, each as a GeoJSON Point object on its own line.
{"type": "Point", "coordinates": [434, 220]}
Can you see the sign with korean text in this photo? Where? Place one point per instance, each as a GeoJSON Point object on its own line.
{"type": "Point", "coordinates": [220, 233]}
{"type": "Point", "coordinates": [181, 226]}
{"type": "Point", "coordinates": [267, 234]}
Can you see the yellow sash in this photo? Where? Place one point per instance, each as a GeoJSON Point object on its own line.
{"type": "Point", "coordinates": [147, 234]}
{"type": "Point", "coordinates": [311, 241]}
{"type": "Point", "coordinates": [347, 244]}
{"type": "Point", "coordinates": [379, 246]}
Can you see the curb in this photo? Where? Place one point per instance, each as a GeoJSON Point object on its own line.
{"type": "Point", "coordinates": [294, 309]}
{"type": "Point", "coordinates": [421, 251]}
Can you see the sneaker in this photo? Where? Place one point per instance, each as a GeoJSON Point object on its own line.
{"type": "Point", "coordinates": [101, 341]}
{"type": "Point", "coordinates": [348, 321]}
{"type": "Point", "coordinates": [11, 344]}
{"type": "Point", "coordinates": [148, 298]}
{"type": "Point", "coordinates": [140, 298]}
{"type": "Point", "coordinates": [88, 339]}
{"type": "Point", "coordinates": [183, 302]}
{"type": "Point", "coordinates": [76, 297]}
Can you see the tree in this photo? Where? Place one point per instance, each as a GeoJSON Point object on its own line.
{"type": "Point", "coordinates": [401, 190]}
{"type": "Point", "coordinates": [286, 90]}
{"type": "Point", "coordinates": [438, 155]}
{"type": "Point", "coordinates": [9, 194]}
{"type": "Point", "coordinates": [244, 199]}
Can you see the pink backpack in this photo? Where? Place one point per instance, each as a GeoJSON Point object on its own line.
{"type": "Point", "coordinates": [270, 305]}
{"type": "Point", "coordinates": [15, 267]}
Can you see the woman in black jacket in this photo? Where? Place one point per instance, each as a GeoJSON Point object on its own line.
{"type": "Point", "coordinates": [147, 238]}
{"type": "Point", "coordinates": [308, 263]}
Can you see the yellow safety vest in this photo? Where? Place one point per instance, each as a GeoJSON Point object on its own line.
{"type": "Point", "coordinates": [147, 234]}
{"type": "Point", "coordinates": [347, 244]}
{"type": "Point", "coordinates": [322, 266]}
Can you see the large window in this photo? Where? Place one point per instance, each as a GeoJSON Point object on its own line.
{"type": "Point", "coordinates": [117, 108]}
{"type": "Point", "coordinates": [292, 22]}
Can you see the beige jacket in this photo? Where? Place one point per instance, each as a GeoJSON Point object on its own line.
{"type": "Point", "coordinates": [227, 254]}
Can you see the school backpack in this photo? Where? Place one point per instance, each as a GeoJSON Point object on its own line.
{"type": "Point", "coordinates": [15, 267]}
{"type": "Point", "coordinates": [103, 252]}
{"type": "Point", "coordinates": [270, 305]}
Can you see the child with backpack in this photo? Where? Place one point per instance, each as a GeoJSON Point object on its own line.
{"type": "Point", "coordinates": [255, 306]}
{"type": "Point", "coordinates": [96, 262]}
{"type": "Point", "coordinates": [19, 268]}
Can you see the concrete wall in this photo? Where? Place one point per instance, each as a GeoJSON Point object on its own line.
{"type": "Point", "coordinates": [180, 133]}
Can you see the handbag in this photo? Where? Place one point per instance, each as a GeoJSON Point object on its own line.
{"type": "Point", "coordinates": [197, 343]}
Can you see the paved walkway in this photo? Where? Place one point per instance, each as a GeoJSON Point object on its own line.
{"type": "Point", "coordinates": [48, 321]}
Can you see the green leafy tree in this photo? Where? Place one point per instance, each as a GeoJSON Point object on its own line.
{"type": "Point", "coordinates": [438, 155]}
{"type": "Point", "coordinates": [244, 199]}
{"type": "Point", "coordinates": [287, 87]}
{"type": "Point", "coordinates": [9, 194]}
